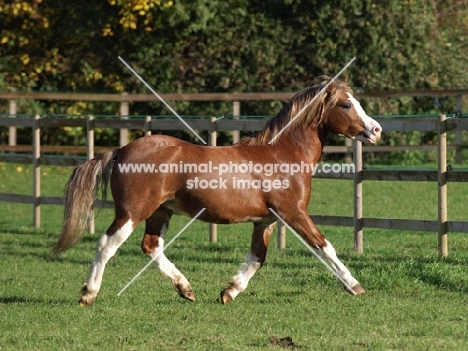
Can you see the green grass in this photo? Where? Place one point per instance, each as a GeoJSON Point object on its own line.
{"type": "Point", "coordinates": [414, 299]}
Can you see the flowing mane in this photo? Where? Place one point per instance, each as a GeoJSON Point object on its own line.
{"type": "Point", "coordinates": [327, 99]}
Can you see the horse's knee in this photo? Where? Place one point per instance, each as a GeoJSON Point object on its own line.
{"type": "Point", "coordinates": [116, 234]}
{"type": "Point", "coordinates": [149, 244]}
{"type": "Point", "coordinates": [260, 241]}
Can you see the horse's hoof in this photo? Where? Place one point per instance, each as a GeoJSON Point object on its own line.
{"type": "Point", "coordinates": [355, 290]}
{"type": "Point", "coordinates": [185, 293]}
{"type": "Point", "coordinates": [86, 298]}
{"type": "Point", "coordinates": [358, 290]}
{"type": "Point", "coordinates": [226, 297]}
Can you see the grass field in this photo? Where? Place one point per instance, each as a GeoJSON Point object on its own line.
{"type": "Point", "coordinates": [414, 300]}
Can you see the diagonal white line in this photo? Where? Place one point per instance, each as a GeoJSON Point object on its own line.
{"type": "Point", "coordinates": [162, 100]}
{"type": "Point", "coordinates": [301, 239]}
{"type": "Point", "coordinates": [159, 253]}
{"type": "Point", "coordinates": [311, 101]}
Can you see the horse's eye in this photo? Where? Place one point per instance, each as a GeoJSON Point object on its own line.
{"type": "Point", "coordinates": [346, 105]}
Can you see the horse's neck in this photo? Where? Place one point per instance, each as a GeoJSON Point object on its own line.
{"type": "Point", "coordinates": [309, 143]}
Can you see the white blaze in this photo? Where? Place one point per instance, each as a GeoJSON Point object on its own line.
{"type": "Point", "coordinates": [373, 128]}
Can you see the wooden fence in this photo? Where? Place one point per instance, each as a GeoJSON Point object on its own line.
{"type": "Point", "coordinates": [124, 99]}
{"type": "Point", "coordinates": [442, 225]}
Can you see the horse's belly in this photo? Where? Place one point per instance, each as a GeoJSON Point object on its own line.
{"type": "Point", "coordinates": [218, 210]}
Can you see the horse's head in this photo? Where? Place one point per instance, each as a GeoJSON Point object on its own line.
{"type": "Point", "coordinates": [328, 107]}
{"type": "Point", "coordinates": [342, 114]}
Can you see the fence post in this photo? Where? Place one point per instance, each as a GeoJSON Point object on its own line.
{"type": "Point", "coordinates": [348, 154]}
{"type": "Point", "coordinates": [36, 172]}
{"type": "Point", "coordinates": [90, 155]}
{"type": "Point", "coordinates": [442, 186]}
{"type": "Point", "coordinates": [213, 135]}
{"type": "Point", "coordinates": [12, 129]}
{"type": "Point", "coordinates": [458, 133]}
{"type": "Point", "coordinates": [281, 238]}
{"type": "Point", "coordinates": [147, 125]}
{"type": "Point", "coordinates": [124, 113]}
{"type": "Point", "coordinates": [236, 114]}
{"type": "Point", "coordinates": [358, 225]}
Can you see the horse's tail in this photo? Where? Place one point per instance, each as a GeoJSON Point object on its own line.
{"type": "Point", "coordinates": [81, 190]}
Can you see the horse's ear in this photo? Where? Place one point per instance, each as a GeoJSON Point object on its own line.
{"type": "Point", "coordinates": [345, 79]}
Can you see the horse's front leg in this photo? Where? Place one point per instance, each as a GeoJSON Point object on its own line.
{"type": "Point", "coordinates": [305, 227]}
{"type": "Point", "coordinates": [328, 253]}
{"type": "Point", "coordinates": [258, 249]}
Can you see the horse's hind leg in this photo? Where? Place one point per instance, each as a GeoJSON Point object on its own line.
{"type": "Point", "coordinates": [118, 232]}
{"type": "Point", "coordinates": [260, 240]}
{"type": "Point", "coordinates": [153, 246]}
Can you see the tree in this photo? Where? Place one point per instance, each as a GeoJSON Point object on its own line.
{"type": "Point", "coordinates": [233, 45]}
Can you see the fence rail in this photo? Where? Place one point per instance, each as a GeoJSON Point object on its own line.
{"type": "Point", "coordinates": [358, 221]}
{"type": "Point", "coordinates": [125, 99]}
{"type": "Point", "coordinates": [229, 96]}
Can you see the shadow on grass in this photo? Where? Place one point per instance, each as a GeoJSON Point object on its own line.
{"type": "Point", "coordinates": [6, 228]}
{"type": "Point", "coordinates": [28, 301]}
{"type": "Point", "coordinates": [371, 260]}
{"type": "Point", "coordinates": [444, 274]}
{"type": "Point", "coordinates": [43, 256]}
{"type": "Point", "coordinates": [434, 271]}
{"type": "Point", "coordinates": [432, 275]}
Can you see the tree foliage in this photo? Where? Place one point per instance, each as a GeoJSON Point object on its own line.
{"type": "Point", "coordinates": [232, 45]}
{"type": "Point", "coordinates": [241, 45]}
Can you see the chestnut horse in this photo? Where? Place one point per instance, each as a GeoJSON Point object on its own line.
{"type": "Point", "coordinates": [154, 194]}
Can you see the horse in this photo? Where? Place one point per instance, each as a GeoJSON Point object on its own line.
{"type": "Point", "coordinates": [181, 183]}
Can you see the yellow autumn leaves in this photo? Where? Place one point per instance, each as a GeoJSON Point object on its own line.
{"type": "Point", "coordinates": [29, 10]}
{"type": "Point", "coordinates": [20, 7]}
{"type": "Point", "coordinates": [131, 10]}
